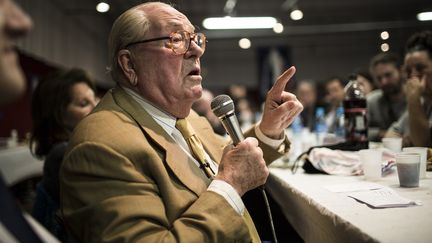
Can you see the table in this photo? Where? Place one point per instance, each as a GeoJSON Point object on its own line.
{"type": "Point", "coordinates": [319, 215]}
{"type": "Point", "coordinates": [18, 164]}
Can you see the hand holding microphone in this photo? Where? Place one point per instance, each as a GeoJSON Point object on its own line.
{"type": "Point", "coordinates": [242, 164]}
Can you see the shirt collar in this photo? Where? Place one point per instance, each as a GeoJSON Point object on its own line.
{"type": "Point", "coordinates": [164, 119]}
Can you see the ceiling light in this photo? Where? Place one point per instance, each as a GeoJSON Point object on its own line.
{"type": "Point", "coordinates": [278, 28]}
{"type": "Point", "coordinates": [244, 43]}
{"type": "Point", "coordinates": [425, 16]}
{"type": "Point", "coordinates": [296, 14]}
{"type": "Point", "coordinates": [239, 23]}
{"type": "Point", "coordinates": [102, 7]}
{"type": "Point", "coordinates": [385, 35]}
{"type": "Point", "coordinates": [385, 47]}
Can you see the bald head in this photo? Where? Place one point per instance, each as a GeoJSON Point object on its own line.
{"type": "Point", "coordinates": [134, 25]}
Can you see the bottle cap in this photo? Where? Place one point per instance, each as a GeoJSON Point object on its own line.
{"type": "Point", "coordinates": [319, 111]}
{"type": "Point", "coordinates": [339, 110]}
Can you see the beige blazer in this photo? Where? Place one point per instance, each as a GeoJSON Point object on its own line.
{"type": "Point", "coordinates": [124, 182]}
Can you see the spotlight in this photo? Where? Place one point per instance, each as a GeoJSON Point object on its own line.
{"type": "Point", "coordinates": [296, 14]}
{"type": "Point", "coordinates": [384, 35]}
{"type": "Point", "coordinates": [385, 47]}
{"type": "Point", "coordinates": [244, 43]}
{"type": "Point", "coordinates": [102, 7]}
{"type": "Point", "coordinates": [278, 28]}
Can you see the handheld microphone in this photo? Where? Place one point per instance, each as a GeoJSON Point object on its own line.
{"type": "Point", "coordinates": [223, 107]}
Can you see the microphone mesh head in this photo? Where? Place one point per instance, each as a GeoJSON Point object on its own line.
{"type": "Point", "coordinates": [221, 105]}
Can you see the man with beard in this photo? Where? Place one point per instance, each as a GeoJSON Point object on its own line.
{"type": "Point", "coordinates": [415, 125]}
{"type": "Point", "coordinates": [386, 104]}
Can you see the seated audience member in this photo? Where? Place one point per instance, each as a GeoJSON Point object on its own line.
{"type": "Point", "coordinates": [203, 108]}
{"type": "Point", "coordinates": [243, 109]}
{"type": "Point", "coordinates": [335, 95]}
{"type": "Point", "coordinates": [58, 104]}
{"type": "Point", "coordinates": [415, 125]}
{"type": "Point", "coordinates": [365, 81]}
{"type": "Point", "coordinates": [386, 104]}
{"type": "Point", "coordinates": [307, 95]}
{"type": "Point", "coordinates": [14, 23]}
{"type": "Point", "coordinates": [245, 114]}
{"type": "Point", "coordinates": [237, 92]}
{"type": "Point", "coordinates": [15, 226]}
{"type": "Point", "coordinates": [136, 169]}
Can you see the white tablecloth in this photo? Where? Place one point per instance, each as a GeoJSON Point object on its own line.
{"type": "Point", "coordinates": [18, 164]}
{"type": "Point", "coordinates": [322, 216]}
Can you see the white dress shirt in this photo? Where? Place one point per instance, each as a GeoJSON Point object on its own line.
{"type": "Point", "coordinates": [167, 122]}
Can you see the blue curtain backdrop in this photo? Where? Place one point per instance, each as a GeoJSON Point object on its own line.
{"type": "Point", "coordinates": [272, 62]}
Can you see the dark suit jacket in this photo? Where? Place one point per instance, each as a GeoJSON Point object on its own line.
{"type": "Point", "coordinates": [124, 182]}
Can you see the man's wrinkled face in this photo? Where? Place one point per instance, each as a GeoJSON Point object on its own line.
{"type": "Point", "coordinates": [14, 23]}
{"type": "Point", "coordinates": [165, 78]}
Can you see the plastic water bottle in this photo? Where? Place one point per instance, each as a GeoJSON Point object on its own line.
{"type": "Point", "coordinates": [297, 126]}
{"type": "Point", "coordinates": [297, 132]}
{"type": "Point", "coordinates": [355, 113]}
{"type": "Point", "coordinates": [340, 124]}
{"type": "Point", "coordinates": [13, 139]}
{"type": "Point", "coordinates": [320, 125]}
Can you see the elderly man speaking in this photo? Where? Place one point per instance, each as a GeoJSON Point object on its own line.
{"type": "Point", "coordinates": [133, 170]}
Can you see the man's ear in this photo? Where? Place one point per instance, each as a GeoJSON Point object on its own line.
{"type": "Point", "coordinates": [125, 62]}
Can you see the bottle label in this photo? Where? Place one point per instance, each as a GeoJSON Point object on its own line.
{"type": "Point", "coordinates": [360, 123]}
{"type": "Point", "coordinates": [356, 110]}
{"type": "Point", "coordinates": [355, 124]}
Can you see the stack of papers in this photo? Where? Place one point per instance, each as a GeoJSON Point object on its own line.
{"type": "Point", "coordinates": [373, 194]}
{"type": "Point", "coordinates": [382, 198]}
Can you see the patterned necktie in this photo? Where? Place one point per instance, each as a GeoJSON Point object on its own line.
{"type": "Point", "coordinates": [195, 146]}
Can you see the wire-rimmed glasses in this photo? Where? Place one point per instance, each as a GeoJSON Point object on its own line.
{"type": "Point", "coordinates": [179, 41]}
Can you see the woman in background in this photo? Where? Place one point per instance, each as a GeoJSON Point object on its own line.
{"type": "Point", "coordinates": [365, 80]}
{"type": "Point", "coordinates": [58, 104]}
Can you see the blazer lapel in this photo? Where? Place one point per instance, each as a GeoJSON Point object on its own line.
{"type": "Point", "coordinates": [177, 160]}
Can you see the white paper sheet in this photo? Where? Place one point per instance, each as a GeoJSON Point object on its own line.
{"type": "Point", "coordinates": [383, 198]}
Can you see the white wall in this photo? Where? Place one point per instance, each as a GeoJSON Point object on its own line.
{"type": "Point", "coordinates": [64, 40]}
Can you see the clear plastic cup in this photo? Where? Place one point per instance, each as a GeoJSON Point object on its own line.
{"type": "Point", "coordinates": [423, 158]}
{"type": "Point", "coordinates": [394, 144]}
{"type": "Point", "coordinates": [408, 168]}
{"type": "Point", "coordinates": [371, 160]}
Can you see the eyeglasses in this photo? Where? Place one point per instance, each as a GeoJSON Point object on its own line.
{"type": "Point", "coordinates": [179, 41]}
